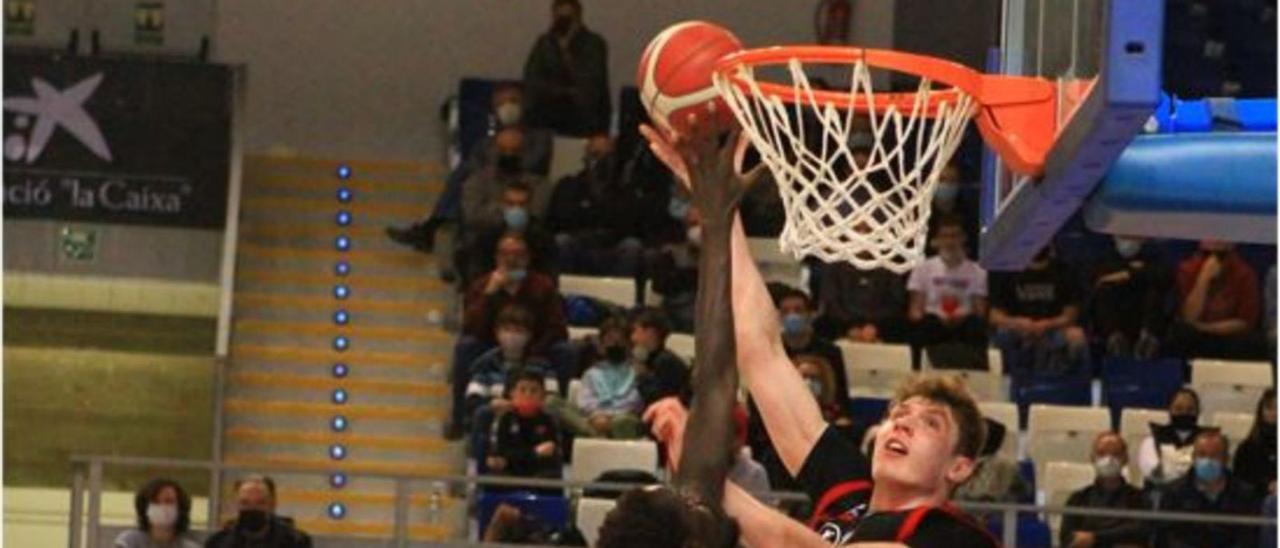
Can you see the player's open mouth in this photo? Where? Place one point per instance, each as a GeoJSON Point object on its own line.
{"type": "Point", "coordinates": [895, 446]}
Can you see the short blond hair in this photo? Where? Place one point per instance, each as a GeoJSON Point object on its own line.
{"type": "Point", "coordinates": [951, 392]}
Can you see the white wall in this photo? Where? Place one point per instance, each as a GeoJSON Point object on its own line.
{"type": "Point", "coordinates": [365, 78]}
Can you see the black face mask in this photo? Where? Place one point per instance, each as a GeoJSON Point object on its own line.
{"type": "Point", "coordinates": [251, 521]}
{"type": "Point", "coordinates": [1183, 422]}
{"type": "Point", "coordinates": [509, 163]}
{"type": "Point", "coordinates": [615, 353]}
{"type": "Point", "coordinates": [562, 25]}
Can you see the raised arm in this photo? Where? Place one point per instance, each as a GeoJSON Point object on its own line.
{"type": "Point", "coordinates": [787, 407]}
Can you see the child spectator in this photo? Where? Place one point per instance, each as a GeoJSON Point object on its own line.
{"type": "Point", "coordinates": [949, 302]}
{"type": "Point", "coordinates": [609, 403]}
{"type": "Point", "coordinates": [659, 372]}
{"type": "Point", "coordinates": [493, 372]}
{"type": "Point", "coordinates": [526, 441]}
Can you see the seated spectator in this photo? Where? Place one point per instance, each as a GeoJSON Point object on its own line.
{"type": "Point", "coordinates": [763, 214]}
{"type": "Point", "coordinates": [1165, 455]}
{"type": "Point", "coordinates": [163, 511]}
{"type": "Point", "coordinates": [257, 525]}
{"type": "Point", "coordinates": [482, 205]}
{"type": "Point", "coordinates": [799, 338]}
{"type": "Point", "coordinates": [526, 441]}
{"type": "Point", "coordinates": [506, 112]}
{"type": "Point", "coordinates": [1209, 489]}
{"type": "Point", "coordinates": [509, 525]}
{"type": "Point", "coordinates": [745, 472]}
{"type": "Point", "coordinates": [950, 201]}
{"type": "Point", "coordinates": [1035, 312]}
{"type": "Point", "coordinates": [608, 403]}
{"type": "Point", "coordinates": [674, 272]}
{"type": "Point", "coordinates": [492, 371]}
{"type": "Point", "coordinates": [995, 478]}
{"type": "Point", "coordinates": [567, 75]}
{"type": "Point", "coordinates": [516, 218]}
{"type": "Point", "coordinates": [949, 302]}
{"type": "Point", "coordinates": [594, 218]}
{"type": "Point", "coordinates": [1130, 284]}
{"type": "Point", "coordinates": [510, 282]}
{"type": "Point", "coordinates": [1255, 460]}
{"type": "Point", "coordinates": [818, 374]}
{"type": "Point", "coordinates": [1218, 305]}
{"type": "Point", "coordinates": [1109, 491]}
{"type": "Point", "coordinates": [861, 305]}
{"type": "Point", "coordinates": [659, 373]}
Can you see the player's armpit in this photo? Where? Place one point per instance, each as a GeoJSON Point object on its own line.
{"type": "Point", "coordinates": [765, 527]}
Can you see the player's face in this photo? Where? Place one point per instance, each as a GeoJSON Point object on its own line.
{"type": "Point", "coordinates": [915, 447]}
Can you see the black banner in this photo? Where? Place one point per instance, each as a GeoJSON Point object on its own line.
{"type": "Point", "coordinates": [116, 141]}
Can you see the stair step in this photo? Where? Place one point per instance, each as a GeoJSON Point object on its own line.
{"type": "Point", "coordinates": [356, 371]}
{"type": "Point", "coordinates": [355, 304]}
{"type": "Point", "coordinates": [329, 356]}
{"type": "Point", "coordinates": [326, 438]}
{"type": "Point", "coordinates": [360, 202]}
{"type": "Point", "coordinates": [302, 423]}
{"type": "Point", "coordinates": [327, 279]}
{"type": "Point", "coordinates": [326, 410]}
{"type": "Point", "coordinates": [352, 467]}
{"type": "Point", "coordinates": [329, 184]}
{"type": "Point", "coordinates": [405, 258]}
{"type": "Point", "coordinates": [327, 383]}
{"type": "Point", "coordinates": [421, 532]}
{"type": "Point", "coordinates": [360, 169]}
{"type": "Point", "coordinates": [355, 331]}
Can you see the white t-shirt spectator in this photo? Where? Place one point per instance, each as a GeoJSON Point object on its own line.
{"type": "Point", "coordinates": [948, 291]}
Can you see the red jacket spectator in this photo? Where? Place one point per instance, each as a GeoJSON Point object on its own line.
{"type": "Point", "coordinates": [1233, 295]}
{"type": "Point", "coordinates": [537, 293]}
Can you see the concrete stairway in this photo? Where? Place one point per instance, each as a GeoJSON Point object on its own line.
{"type": "Point", "coordinates": [283, 394]}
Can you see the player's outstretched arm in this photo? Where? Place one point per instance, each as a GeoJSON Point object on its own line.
{"type": "Point", "coordinates": [786, 405]}
{"type": "Point", "coordinates": [762, 526]}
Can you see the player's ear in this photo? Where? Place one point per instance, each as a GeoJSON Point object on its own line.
{"type": "Point", "coordinates": [960, 469]}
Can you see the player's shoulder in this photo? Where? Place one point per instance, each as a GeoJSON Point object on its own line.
{"type": "Point", "coordinates": [946, 524]}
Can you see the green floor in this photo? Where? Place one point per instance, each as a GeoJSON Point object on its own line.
{"type": "Point", "coordinates": [105, 384]}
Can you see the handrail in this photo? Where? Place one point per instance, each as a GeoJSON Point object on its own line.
{"type": "Point", "coordinates": [1010, 510]}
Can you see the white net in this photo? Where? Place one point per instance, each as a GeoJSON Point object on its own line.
{"type": "Point", "coordinates": [854, 190]}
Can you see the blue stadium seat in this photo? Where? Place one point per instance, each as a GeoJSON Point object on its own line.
{"type": "Point", "coordinates": [1031, 531]}
{"type": "Point", "coordinates": [867, 411]}
{"type": "Point", "coordinates": [552, 510]}
{"type": "Point", "coordinates": [1057, 390]}
{"type": "Point", "coordinates": [1144, 384]}
{"type": "Point", "coordinates": [1027, 469]}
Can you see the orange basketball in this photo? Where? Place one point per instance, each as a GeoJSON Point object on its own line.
{"type": "Point", "coordinates": [675, 73]}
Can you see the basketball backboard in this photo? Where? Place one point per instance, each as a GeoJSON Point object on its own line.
{"type": "Point", "coordinates": [1104, 56]}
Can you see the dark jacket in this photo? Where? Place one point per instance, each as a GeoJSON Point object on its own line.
{"type": "Point", "coordinates": [663, 374]}
{"type": "Point", "coordinates": [567, 89]}
{"type": "Point", "coordinates": [538, 294]}
{"type": "Point", "coordinates": [1238, 499]}
{"type": "Point", "coordinates": [515, 438]}
{"type": "Point", "coordinates": [1255, 460]}
{"type": "Point", "coordinates": [1107, 531]}
{"type": "Point", "coordinates": [281, 534]}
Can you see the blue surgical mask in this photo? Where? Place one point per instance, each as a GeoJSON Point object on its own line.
{"type": "Point", "coordinates": [517, 275]}
{"type": "Point", "coordinates": [1128, 248]}
{"type": "Point", "coordinates": [678, 207]}
{"type": "Point", "coordinates": [1208, 470]}
{"type": "Point", "coordinates": [794, 324]}
{"type": "Point", "coordinates": [516, 217]}
{"type": "Point", "coordinates": [946, 194]}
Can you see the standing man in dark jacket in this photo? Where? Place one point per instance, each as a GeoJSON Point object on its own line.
{"type": "Point", "coordinates": [567, 77]}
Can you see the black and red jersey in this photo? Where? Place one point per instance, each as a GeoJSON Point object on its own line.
{"type": "Point", "coordinates": [838, 478]}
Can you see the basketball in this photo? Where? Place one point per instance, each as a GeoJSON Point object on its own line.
{"type": "Point", "coordinates": [675, 73]}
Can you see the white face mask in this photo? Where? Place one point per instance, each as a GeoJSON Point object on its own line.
{"type": "Point", "coordinates": [1107, 467]}
{"type": "Point", "coordinates": [162, 515]}
{"type": "Point", "coordinates": [695, 234]}
{"type": "Point", "coordinates": [509, 114]}
{"type": "Point", "coordinates": [512, 342]}
{"type": "Point", "coordinates": [639, 353]}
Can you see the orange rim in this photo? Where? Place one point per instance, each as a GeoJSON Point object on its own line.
{"type": "Point", "coordinates": [1015, 114]}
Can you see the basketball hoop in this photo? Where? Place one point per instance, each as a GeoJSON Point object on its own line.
{"type": "Point", "coordinates": [873, 212]}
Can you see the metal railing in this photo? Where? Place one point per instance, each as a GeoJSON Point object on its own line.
{"type": "Point", "coordinates": [87, 475]}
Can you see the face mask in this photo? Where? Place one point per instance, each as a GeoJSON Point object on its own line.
{"type": "Point", "coordinates": [945, 195]}
{"type": "Point", "coordinates": [251, 520]}
{"type": "Point", "coordinates": [794, 324]}
{"type": "Point", "coordinates": [951, 255]}
{"type": "Point", "coordinates": [640, 354]}
{"type": "Point", "coordinates": [615, 353]}
{"type": "Point", "coordinates": [677, 208]}
{"type": "Point", "coordinates": [695, 235]}
{"type": "Point", "coordinates": [516, 217]}
{"type": "Point", "coordinates": [516, 275]}
{"type": "Point", "coordinates": [1128, 248]}
{"type": "Point", "coordinates": [1107, 467]}
{"type": "Point", "coordinates": [512, 342]}
{"type": "Point", "coordinates": [1208, 470]}
{"type": "Point", "coordinates": [526, 406]}
{"type": "Point", "coordinates": [562, 25]}
{"type": "Point", "coordinates": [1183, 422]}
{"type": "Point", "coordinates": [509, 163]}
{"type": "Point", "coordinates": [162, 515]}
{"type": "Point", "coordinates": [815, 387]}
{"type": "Point", "coordinates": [509, 114]}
